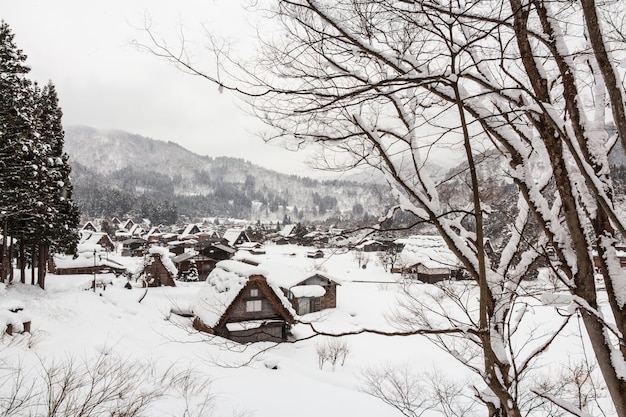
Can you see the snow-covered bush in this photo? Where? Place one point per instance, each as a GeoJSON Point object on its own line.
{"type": "Point", "coordinates": [333, 350]}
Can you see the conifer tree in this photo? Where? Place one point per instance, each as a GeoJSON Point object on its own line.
{"type": "Point", "coordinates": [35, 204]}
{"type": "Point", "coordinates": [62, 212]}
{"type": "Point", "coordinates": [15, 137]}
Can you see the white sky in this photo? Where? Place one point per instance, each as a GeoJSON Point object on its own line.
{"type": "Point", "coordinates": [103, 81]}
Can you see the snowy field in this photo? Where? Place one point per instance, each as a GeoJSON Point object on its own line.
{"type": "Point", "coordinates": [158, 352]}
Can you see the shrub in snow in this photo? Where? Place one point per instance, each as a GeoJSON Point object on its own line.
{"type": "Point", "coordinates": [106, 385]}
{"type": "Point", "coordinates": [333, 350]}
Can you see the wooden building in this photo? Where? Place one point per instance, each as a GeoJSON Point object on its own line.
{"type": "Point", "coordinates": [314, 293]}
{"type": "Point", "coordinates": [134, 247]}
{"type": "Point", "coordinates": [428, 273]}
{"type": "Point", "coordinates": [210, 252]}
{"type": "Point", "coordinates": [236, 237]}
{"type": "Point", "coordinates": [66, 265]}
{"type": "Point", "coordinates": [241, 305]}
{"type": "Point", "coordinates": [426, 258]}
{"type": "Point", "coordinates": [158, 269]}
{"type": "Point", "coordinates": [89, 226]}
{"type": "Point", "coordinates": [97, 238]}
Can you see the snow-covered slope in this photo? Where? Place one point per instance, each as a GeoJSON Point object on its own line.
{"type": "Point", "coordinates": [117, 338]}
{"type": "Point", "coordinates": [139, 165]}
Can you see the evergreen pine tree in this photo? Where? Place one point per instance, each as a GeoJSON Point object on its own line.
{"type": "Point", "coordinates": [35, 203]}
{"type": "Point", "coordinates": [16, 177]}
{"type": "Point", "coordinates": [62, 214]}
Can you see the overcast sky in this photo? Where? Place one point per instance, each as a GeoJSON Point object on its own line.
{"type": "Point", "coordinates": [85, 48]}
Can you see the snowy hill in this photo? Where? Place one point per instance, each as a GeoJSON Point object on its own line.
{"type": "Point", "coordinates": [202, 186]}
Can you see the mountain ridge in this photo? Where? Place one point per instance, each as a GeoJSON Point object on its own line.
{"type": "Point", "coordinates": [113, 159]}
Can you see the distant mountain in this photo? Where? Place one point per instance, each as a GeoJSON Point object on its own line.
{"type": "Point", "coordinates": [119, 173]}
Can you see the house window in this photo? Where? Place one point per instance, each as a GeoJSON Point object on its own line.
{"type": "Point", "coordinates": [254, 305]}
{"type": "Point", "coordinates": [254, 292]}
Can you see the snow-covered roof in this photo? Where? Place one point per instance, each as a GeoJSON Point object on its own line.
{"type": "Point", "coordinates": [430, 251]}
{"type": "Point", "coordinates": [88, 237]}
{"type": "Point", "coordinates": [285, 275]}
{"type": "Point", "coordinates": [166, 258]}
{"type": "Point", "coordinates": [249, 245]}
{"type": "Point", "coordinates": [185, 256]}
{"type": "Point", "coordinates": [189, 228]}
{"type": "Point", "coordinates": [85, 260]}
{"type": "Point", "coordinates": [287, 230]}
{"type": "Point", "coordinates": [424, 241]}
{"type": "Point", "coordinates": [154, 230]}
{"type": "Point", "coordinates": [231, 235]}
{"type": "Point", "coordinates": [89, 226]}
{"type": "Point", "coordinates": [224, 283]}
{"type": "Point", "coordinates": [308, 291]}
{"type": "Point", "coordinates": [89, 247]}
{"type": "Point", "coordinates": [136, 230]}
{"type": "Point", "coordinates": [368, 242]}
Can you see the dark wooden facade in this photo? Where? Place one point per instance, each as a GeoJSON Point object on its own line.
{"type": "Point", "coordinates": [134, 247]}
{"type": "Point", "coordinates": [156, 274]}
{"type": "Point", "coordinates": [87, 270]}
{"type": "Point", "coordinates": [425, 274]}
{"type": "Point", "coordinates": [305, 305]}
{"type": "Point", "coordinates": [210, 252]}
{"type": "Point", "coordinates": [256, 314]}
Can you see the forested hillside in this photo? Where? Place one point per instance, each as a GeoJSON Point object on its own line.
{"type": "Point", "coordinates": [118, 173]}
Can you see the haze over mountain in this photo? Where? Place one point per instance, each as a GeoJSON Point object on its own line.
{"type": "Point", "coordinates": [113, 168]}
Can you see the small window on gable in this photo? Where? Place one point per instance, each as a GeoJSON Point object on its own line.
{"type": "Point", "coordinates": [254, 292]}
{"type": "Point", "coordinates": [254, 305]}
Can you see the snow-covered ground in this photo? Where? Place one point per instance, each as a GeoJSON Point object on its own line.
{"type": "Point", "coordinates": [72, 324]}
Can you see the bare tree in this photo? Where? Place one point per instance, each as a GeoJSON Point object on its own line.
{"type": "Point", "coordinates": [332, 350]}
{"type": "Point", "coordinates": [390, 83]}
{"type": "Point", "coordinates": [104, 385]}
{"type": "Point", "coordinates": [414, 394]}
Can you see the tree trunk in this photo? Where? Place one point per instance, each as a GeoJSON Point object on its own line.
{"type": "Point", "coordinates": [615, 385]}
{"type": "Point", "coordinates": [10, 261]}
{"type": "Point", "coordinates": [4, 250]}
{"type": "Point", "coordinates": [583, 280]}
{"type": "Point", "coordinates": [594, 33]}
{"type": "Point", "coordinates": [41, 261]}
{"type": "Point", "coordinates": [33, 263]}
{"type": "Point", "coordinates": [22, 261]}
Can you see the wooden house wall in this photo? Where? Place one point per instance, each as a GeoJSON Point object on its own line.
{"type": "Point", "coordinates": [432, 278]}
{"type": "Point", "coordinates": [426, 275]}
{"type": "Point", "coordinates": [211, 251]}
{"type": "Point", "coordinates": [299, 305]}
{"type": "Point", "coordinates": [270, 332]}
{"type": "Point", "coordinates": [88, 270]}
{"type": "Point", "coordinates": [205, 266]}
{"type": "Point", "coordinates": [160, 274]}
{"type": "Point", "coordinates": [183, 267]}
{"type": "Point", "coordinates": [267, 310]}
{"type": "Point", "coordinates": [329, 299]}
{"type": "Point", "coordinates": [597, 263]}
{"type": "Point", "coordinates": [106, 242]}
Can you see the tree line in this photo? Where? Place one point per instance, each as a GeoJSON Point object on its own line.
{"type": "Point", "coordinates": [37, 214]}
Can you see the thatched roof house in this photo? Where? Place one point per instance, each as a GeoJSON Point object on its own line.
{"type": "Point", "coordinates": [241, 304]}
{"type": "Point", "coordinates": [307, 291]}
{"type": "Point", "coordinates": [426, 258]}
{"type": "Point", "coordinates": [158, 268]}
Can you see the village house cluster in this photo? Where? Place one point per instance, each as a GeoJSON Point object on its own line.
{"type": "Point", "coordinates": [248, 297]}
